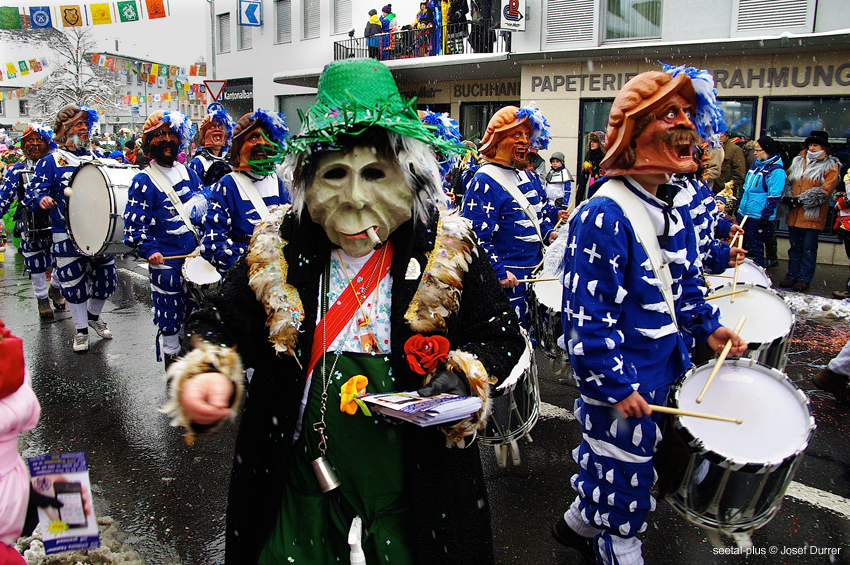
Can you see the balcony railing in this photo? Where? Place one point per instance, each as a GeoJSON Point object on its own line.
{"type": "Point", "coordinates": [451, 39]}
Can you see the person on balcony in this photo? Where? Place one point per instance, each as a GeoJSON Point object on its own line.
{"type": "Point", "coordinates": [372, 34]}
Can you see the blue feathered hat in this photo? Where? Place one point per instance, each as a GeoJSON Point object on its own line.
{"type": "Point", "coordinates": [445, 128]}
{"type": "Point", "coordinates": [46, 133]}
{"type": "Point", "coordinates": [540, 131]}
{"type": "Point", "coordinates": [708, 117]}
{"type": "Point", "coordinates": [221, 117]}
{"type": "Point", "coordinates": [177, 121]}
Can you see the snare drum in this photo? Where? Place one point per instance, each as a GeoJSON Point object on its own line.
{"type": "Point", "coordinates": [200, 276]}
{"type": "Point", "coordinates": [769, 326]}
{"type": "Point", "coordinates": [515, 410]}
{"type": "Point", "coordinates": [95, 208]}
{"type": "Point", "coordinates": [737, 475]}
{"type": "Point", "coordinates": [546, 297]}
{"type": "Point", "coordinates": [34, 225]}
{"type": "Point", "coordinates": [748, 272]}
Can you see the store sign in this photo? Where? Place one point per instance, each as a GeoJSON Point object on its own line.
{"type": "Point", "coordinates": [773, 77]}
{"type": "Point", "coordinates": [486, 89]}
{"type": "Point", "coordinates": [423, 92]}
{"type": "Point", "coordinates": [597, 82]}
{"type": "Point", "coordinates": [513, 15]}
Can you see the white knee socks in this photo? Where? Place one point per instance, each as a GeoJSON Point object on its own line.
{"type": "Point", "coordinates": [96, 306]}
{"type": "Point", "coordinates": [79, 312]}
{"type": "Point", "coordinates": [39, 285]}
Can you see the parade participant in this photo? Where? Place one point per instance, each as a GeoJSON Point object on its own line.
{"type": "Point", "coordinates": [733, 168]}
{"type": "Point", "coordinates": [36, 142]}
{"type": "Point", "coordinates": [427, 286]}
{"type": "Point", "coordinates": [507, 204]}
{"type": "Point", "coordinates": [164, 204]}
{"type": "Point", "coordinates": [812, 178]}
{"type": "Point", "coordinates": [448, 129]}
{"type": "Point", "coordinates": [626, 314]}
{"type": "Point", "coordinates": [241, 199]}
{"type": "Point", "coordinates": [210, 162]}
{"type": "Point", "coordinates": [86, 281]}
{"type": "Point", "coordinates": [558, 181]}
{"type": "Point", "coordinates": [763, 188]}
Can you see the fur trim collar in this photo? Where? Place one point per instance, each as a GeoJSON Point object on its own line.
{"type": "Point", "coordinates": [815, 172]}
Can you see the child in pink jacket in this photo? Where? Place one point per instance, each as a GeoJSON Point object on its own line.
{"type": "Point", "coordinates": [19, 411]}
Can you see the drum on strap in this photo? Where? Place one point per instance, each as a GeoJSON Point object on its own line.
{"type": "Point", "coordinates": [770, 322]}
{"type": "Point", "coordinates": [546, 297]}
{"type": "Point", "coordinates": [736, 476]}
{"type": "Point", "coordinates": [95, 207]}
{"type": "Point", "coordinates": [748, 272]}
{"type": "Point", "coordinates": [516, 408]}
{"type": "Point", "coordinates": [34, 225]}
{"type": "Point", "coordinates": [200, 276]}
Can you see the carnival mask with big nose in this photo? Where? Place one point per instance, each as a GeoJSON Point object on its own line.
{"type": "Point", "coordinates": [77, 136]}
{"type": "Point", "coordinates": [213, 136]}
{"type": "Point", "coordinates": [666, 144]}
{"type": "Point", "coordinates": [352, 192]}
{"type": "Point", "coordinates": [256, 147]}
{"type": "Point", "coordinates": [35, 147]}
{"type": "Point", "coordinates": [512, 147]}
{"type": "Point", "coordinates": [164, 146]}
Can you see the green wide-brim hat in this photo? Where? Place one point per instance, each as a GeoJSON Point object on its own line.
{"type": "Point", "coordinates": [355, 94]}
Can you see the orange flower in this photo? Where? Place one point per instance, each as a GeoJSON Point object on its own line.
{"type": "Point", "coordinates": [354, 387]}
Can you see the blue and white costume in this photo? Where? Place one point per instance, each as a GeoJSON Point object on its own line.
{"type": "Point", "coordinates": [231, 217]}
{"type": "Point", "coordinates": [714, 255]}
{"type": "Point", "coordinates": [152, 225]}
{"type": "Point", "coordinates": [202, 162]}
{"type": "Point", "coordinates": [36, 253]}
{"type": "Point", "coordinates": [623, 339]}
{"type": "Point", "coordinates": [504, 230]}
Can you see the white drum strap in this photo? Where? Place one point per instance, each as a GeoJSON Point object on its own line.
{"type": "Point", "coordinates": [637, 215]}
{"type": "Point", "coordinates": [250, 191]}
{"type": "Point", "coordinates": [162, 183]}
{"type": "Point", "coordinates": [511, 188]}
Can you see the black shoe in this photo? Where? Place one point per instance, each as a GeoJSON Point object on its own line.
{"type": "Point", "coordinates": [565, 535]}
{"type": "Point", "coordinates": [787, 282]}
{"type": "Point", "coordinates": [770, 263]}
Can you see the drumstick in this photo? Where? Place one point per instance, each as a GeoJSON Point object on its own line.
{"type": "Point", "coordinates": [177, 257]}
{"type": "Point", "coordinates": [723, 294]}
{"type": "Point", "coordinates": [720, 360]}
{"type": "Point", "coordinates": [542, 279]}
{"type": "Point", "coordinates": [737, 264]}
{"type": "Point", "coordinates": [679, 412]}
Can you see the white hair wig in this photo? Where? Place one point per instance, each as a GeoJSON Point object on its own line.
{"type": "Point", "coordinates": [417, 162]}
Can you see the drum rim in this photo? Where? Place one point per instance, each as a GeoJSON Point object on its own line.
{"type": "Point", "coordinates": [98, 164]}
{"type": "Point", "coordinates": [183, 268]}
{"type": "Point", "coordinates": [697, 446]}
{"type": "Point", "coordinates": [748, 261]}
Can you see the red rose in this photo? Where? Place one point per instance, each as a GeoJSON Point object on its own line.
{"type": "Point", "coordinates": [425, 353]}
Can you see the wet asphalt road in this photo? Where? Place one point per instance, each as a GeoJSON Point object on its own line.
{"type": "Point", "coordinates": [170, 499]}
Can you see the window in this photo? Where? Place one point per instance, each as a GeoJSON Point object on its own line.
{"type": "Point", "coordinates": [794, 119]}
{"type": "Point", "coordinates": [23, 108]}
{"type": "Point", "coordinates": [474, 117]}
{"type": "Point", "coordinates": [245, 35]}
{"type": "Point", "coordinates": [2, 109]}
{"type": "Point", "coordinates": [569, 21]}
{"type": "Point", "coordinates": [311, 14]}
{"type": "Point", "coordinates": [752, 17]}
{"type": "Point", "coordinates": [224, 33]}
{"type": "Point", "coordinates": [740, 116]}
{"type": "Point", "coordinates": [129, 78]}
{"type": "Point", "coordinates": [283, 21]}
{"type": "Point", "coordinates": [632, 19]}
{"type": "Point", "coordinates": [592, 117]}
{"type": "Point", "coordinates": [342, 16]}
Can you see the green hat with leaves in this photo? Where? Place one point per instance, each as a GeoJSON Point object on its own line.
{"type": "Point", "coordinates": [355, 94]}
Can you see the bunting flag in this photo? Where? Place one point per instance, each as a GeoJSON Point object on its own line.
{"type": "Point", "coordinates": [172, 70]}
{"type": "Point", "coordinates": [71, 16]}
{"type": "Point", "coordinates": [24, 68]}
{"type": "Point", "coordinates": [202, 70]}
{"type": "Point", "coordinates": [156, 9]}
{"type": "Point", "coordinates": [11, 70]}
{"type": "Point", "coordinates": [154, 70]}
{"type": "Point", "coordinates": [1, 77]}
{"type": "Point", "coordinates": [40, 17]}
{"type": "Point", "coordinates": [95, 58]}
{"type": "Point", "coordinates": [128, 11]}
{"type": "Point", "coordinates": [193, 70]}
{"type": "Point", "coordinates": [100, 13]}
{"type": "Point", "coordinates": [10, 18]}
{"type": "Point", "coordinates": [35, 66]}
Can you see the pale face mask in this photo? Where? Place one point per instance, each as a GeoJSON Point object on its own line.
{"type": "Point", "coordinates": [353, 192]}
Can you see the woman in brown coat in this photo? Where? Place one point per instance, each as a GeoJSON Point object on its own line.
{"type": "Point", "coordinates": [811, 180]}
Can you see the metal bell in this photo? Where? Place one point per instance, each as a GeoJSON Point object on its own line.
{"type": "Point", "coordinates": [325, 474]}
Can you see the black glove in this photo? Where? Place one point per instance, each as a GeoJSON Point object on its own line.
{"type": "Point", "coordinates": [763, 225]}
{"type": "Point", "coordinates": [445, 382]}
{"type": "Point", "coordinates": [786, 200]}
{"type": "Point", "coordinates": [37, 500]}
{"type": "Point", "coordinates": [795, 202]}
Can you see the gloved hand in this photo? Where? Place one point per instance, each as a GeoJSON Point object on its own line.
{"type": "Point", "coordinates": [445, 382]}
{"type": "Point", "coordinates": [786, 200]}
{"type": "Point", "coordinates": [37, 500]}
{"type": "Point", "coordinates": [763, 225]}
{"type": "Point", "coordinates": [795, 202]}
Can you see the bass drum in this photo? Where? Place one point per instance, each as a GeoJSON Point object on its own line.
{"type": "Point", "coordinates": [95, 207]}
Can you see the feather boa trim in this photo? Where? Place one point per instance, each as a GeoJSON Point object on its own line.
{"type": "Point", "coordinates": [204, 358]}
{"type": "Point", "coordinates": [267, 272]}
{"type": "Point", "coordinates": [815, 171]}
{"type": "Point", "coordinates": [461, 362]}
{"type": "Point", "coordinates": [539, 124]}
{"type": "Point", "coordinates": [438, 295]}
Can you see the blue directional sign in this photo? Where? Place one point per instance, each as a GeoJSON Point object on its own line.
{"type": "Point", "coordinates": [250, 13]}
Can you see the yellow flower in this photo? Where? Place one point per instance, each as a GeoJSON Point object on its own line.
{"type": "Point", "coordinates": [354, 387]}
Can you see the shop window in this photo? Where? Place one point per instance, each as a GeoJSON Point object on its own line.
{"type": "Point", "coordinates": [342, 16]}
{"type": "Point", "coordinates": [593, 116]}
{"type": "Point", "coordinates": [474, 117]}
{"type": "Point", "coordinates": [632, 19]}
{"type": "Point", "coordinates": [23, 108]}
{"type": "Point", "coordinates": [283, 21]}
{"type": "Point", "coordinates": [310, 10]}
{"type": "Point", "coordinates": [224, 33]}
{"type": "Point", "coordinates": [740, 116]}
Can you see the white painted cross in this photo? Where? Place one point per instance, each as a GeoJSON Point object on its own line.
{"type": "Point", "coordinates": [592, 254]}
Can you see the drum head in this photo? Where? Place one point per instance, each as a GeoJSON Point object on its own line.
{"type": "Point", "coordinates": [777, 421]}
{"type": "Point", "coordinates": [768, 316]}
{"type": "Point", "coordinates": [199, 271]}
{"type": "Point", "coordinates": [89, 209]}
{"type": "Point", "coordinates": [549, 294]}
{"type": "Point", "coordinates": [748, 272]}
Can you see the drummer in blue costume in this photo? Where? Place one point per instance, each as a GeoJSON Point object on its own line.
{"type": "Point", "coordinates": [158, 229]}
{"type": "Point", "coordinates": [241, 199]}
{"type": "Point", "coordinates": [86, 281]}
{"type": "Point", "coordinates": [36, 143]}
{"type": "Point", "coordinates": [511, 232]}
{"type": "Point", "coordinates": [626, 313]}
{"type": "Point", "coordinates": [210, 162]}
